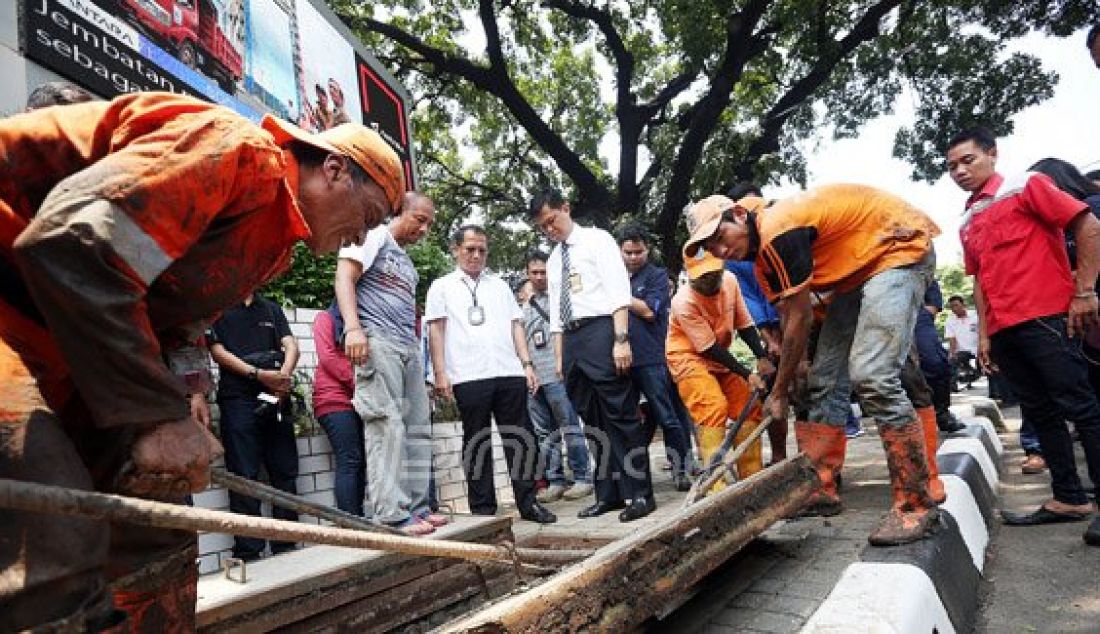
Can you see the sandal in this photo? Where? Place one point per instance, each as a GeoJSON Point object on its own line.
{"type": "Point", "coordinates": [1042, 515]}
{"type": "Point", "coordinates": [435, 519]}
{"type": "Point", "coordinates": [414, 527]}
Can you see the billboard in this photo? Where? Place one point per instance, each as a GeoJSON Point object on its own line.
{"type": "Point", "coordinates": [287, 57]}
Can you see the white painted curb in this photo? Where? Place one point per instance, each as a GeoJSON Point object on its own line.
{"type": "Point", "coordinates": [989, 428]}
{"type": "Point", "coordinates": [975, 448]}
{"type": "Point", "coordinates": [881, 598]}
{"type": "Point", "coordinates": [962, 505]}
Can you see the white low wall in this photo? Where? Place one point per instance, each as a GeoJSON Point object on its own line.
{"type": "Point", "coordinates": [315, 463]}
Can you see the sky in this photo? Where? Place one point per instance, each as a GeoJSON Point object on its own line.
{"type": "Point", "coordinates": [1067, 126]}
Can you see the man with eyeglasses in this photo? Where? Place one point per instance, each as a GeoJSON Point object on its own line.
{"type": "Point", "coordinates": [480, 358]}
{"type": "Point", "coordinates": [590, 297]}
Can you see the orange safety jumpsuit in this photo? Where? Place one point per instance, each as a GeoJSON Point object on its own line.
{"type": "Point", "coordinates": [712, 393]}
{"type": "Point", "coordinates": [125, 227]}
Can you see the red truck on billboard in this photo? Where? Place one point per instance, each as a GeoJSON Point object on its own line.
{"type": "Point", "coordinates": [199, 32]}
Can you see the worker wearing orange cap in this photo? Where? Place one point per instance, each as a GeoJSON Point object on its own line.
{"type": "Point", "coordinates": [712, 383]}
{"type": "Point", "coordinates": [874, 252]}
{"type": "Point", "coordinates": [126, 226]}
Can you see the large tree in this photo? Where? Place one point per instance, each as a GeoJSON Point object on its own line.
{"type": "Point", "coordinates": [513, 95]}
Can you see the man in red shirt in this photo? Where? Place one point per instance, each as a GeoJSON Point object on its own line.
{"type": "Point", "coordinates": [1031, 310]}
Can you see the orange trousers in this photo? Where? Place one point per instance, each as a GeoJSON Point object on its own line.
{"type": "Point", "coordinates": [712, 399]}
{"type": "Point", "coordinates": [55, 571]}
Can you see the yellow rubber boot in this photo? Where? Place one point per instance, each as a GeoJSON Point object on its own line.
{"type": "Point", "coordinates": [710, 439]}
{"type": "Point", "coordinates": [753, 459]}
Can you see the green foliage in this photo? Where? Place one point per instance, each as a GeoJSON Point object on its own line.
{"type": "Point", "coordinates": [308, 282]}
{"type": "Point", "coordinates": [953, 281]}
{"type": "Point", "coordinates": [514, 96]}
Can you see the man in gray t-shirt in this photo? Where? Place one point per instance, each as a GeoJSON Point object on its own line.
{"type": "Point", "coordinates": [376, 295]}
{"type": "Point", "coordinates": [552, 414]}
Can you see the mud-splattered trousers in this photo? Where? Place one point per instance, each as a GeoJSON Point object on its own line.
{"type": "Point", "coordinates": [125, 227]}
{"type": "Point", "coordinates": [864, 342]}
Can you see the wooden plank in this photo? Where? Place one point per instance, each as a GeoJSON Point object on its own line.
{"type": "Point", "coordinates": [315, 571]}
{"type": "Point", "coordinates": [643, 574]}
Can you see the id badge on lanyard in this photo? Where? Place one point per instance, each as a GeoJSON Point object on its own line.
{"type": "Point", "coordinates": [475, 314]}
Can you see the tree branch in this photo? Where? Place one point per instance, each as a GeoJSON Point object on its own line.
{"type": "Point", "coordinates": [773, 121]}
{"type": "Point", "coordinates": [495, 80]}
{"type": "Point", "coordinates": [740, 43]}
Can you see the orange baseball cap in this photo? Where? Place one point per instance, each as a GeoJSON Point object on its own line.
{"type": "Point", "coordinates": [754, 204]}
{"type": "Point", "coordinates": [700, 264]}
{"type": "Point", "coordinates": [703, 219]}
{"type": "Point", "coordinates": [359, 143]}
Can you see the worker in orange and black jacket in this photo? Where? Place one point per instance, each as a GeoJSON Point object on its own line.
{"type": "Point", "coordinates": [126, 226]}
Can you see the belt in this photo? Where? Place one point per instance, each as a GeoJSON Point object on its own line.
{"type": "Point", "coordinates": [576, 324]}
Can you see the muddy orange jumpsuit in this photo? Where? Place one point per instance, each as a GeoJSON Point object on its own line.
{"type": "Point", "coordinates": [125, 227]}
{"type": "Point", "coordinates": [711, 392]}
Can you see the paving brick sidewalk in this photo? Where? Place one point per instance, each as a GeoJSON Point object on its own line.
{"type": "Point", "coordinates": [1039, 578]}
{"type": "Point", "coordinates": [807, 556]}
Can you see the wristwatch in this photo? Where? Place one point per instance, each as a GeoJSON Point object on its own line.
{"type": "Point", "coordinates": [622, 337]}
{"type": "Point", "coordinates": [528, 364]}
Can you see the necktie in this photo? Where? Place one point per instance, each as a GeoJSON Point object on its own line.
{"type": "Point", "coordinates": [566, 301]}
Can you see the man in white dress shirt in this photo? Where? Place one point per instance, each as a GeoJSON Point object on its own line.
{"type": "Point", "coordinates": [479, 355]}
{"type": "Point", "coordinates": [589, 291]}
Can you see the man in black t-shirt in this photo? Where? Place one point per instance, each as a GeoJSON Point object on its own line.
{"type": "Point", "coordinates": [256, 355]}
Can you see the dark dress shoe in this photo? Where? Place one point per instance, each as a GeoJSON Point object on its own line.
{"type": "Point", "coordinates": [1092, 533]}
{"type": "Point", "coordinates": [637, 510]}
{"type": "Point", "coordinates": [683, 483]}
{"type": "Point", "coordinates": [599, 508]}
{"type": "Point", "coordinates": [538, 513]}
{"type": "Point", "coordinates": [949, 424]}
{"type": "Point", "coordinates": [1041, 516]}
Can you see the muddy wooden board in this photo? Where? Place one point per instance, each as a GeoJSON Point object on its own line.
{"type": "Point", "coordinates": [297, 586]}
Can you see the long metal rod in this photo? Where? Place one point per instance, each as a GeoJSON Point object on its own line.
{"type": "Point", "coordinates": [41, 498]}
{"type": "Point", "coordinates": [296, 503]}
{"type": "Point", "coordinates": [343, 519]}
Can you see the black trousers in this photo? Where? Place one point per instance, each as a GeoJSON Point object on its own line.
{"type": "Point", "coordinates": [504, 399]}
{"type": "Point", "coordinates": [253, 442]}
{"type": "Point", "coordinates": [608, 403]}
{"type": "Point", "coordinates": [1046, 371]}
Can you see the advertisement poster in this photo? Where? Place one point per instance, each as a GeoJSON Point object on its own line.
{"type": "Point", "coordinates": [329, 89]}
{"type": "Point", "coordinates": [285, 57]}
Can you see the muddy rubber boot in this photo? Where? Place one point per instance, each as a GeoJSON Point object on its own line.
{"type": "Point", "coordinates": [913, 515]}
{"type": "Point", "coordinates": [824, 445]}
{"type": "Point", "coordinates": [927, 417]}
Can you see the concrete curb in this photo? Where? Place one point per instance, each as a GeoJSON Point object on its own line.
{"type": "Point", "coordinates": [931, 585]}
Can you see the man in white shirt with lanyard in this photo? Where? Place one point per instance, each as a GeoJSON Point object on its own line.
{"type": "Point", "coordinates": [589, 293]}
{"type": "Point", "coordinates": [480, 358]}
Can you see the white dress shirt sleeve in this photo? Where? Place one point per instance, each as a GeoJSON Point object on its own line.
{"type": "Point", "coordinates": [616, 281]}
{"type": "Point", "coordinates": [435, 306]}
{"type": "Point", "coordinates": [553, 289]}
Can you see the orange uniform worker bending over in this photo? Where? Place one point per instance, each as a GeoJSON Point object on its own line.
{"type": "Point", "coordinates": [126, 227]}
{"type": "Point", "coordinates": [874, 251]}
{"type": "Point", "coordinates": [712, 383]}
